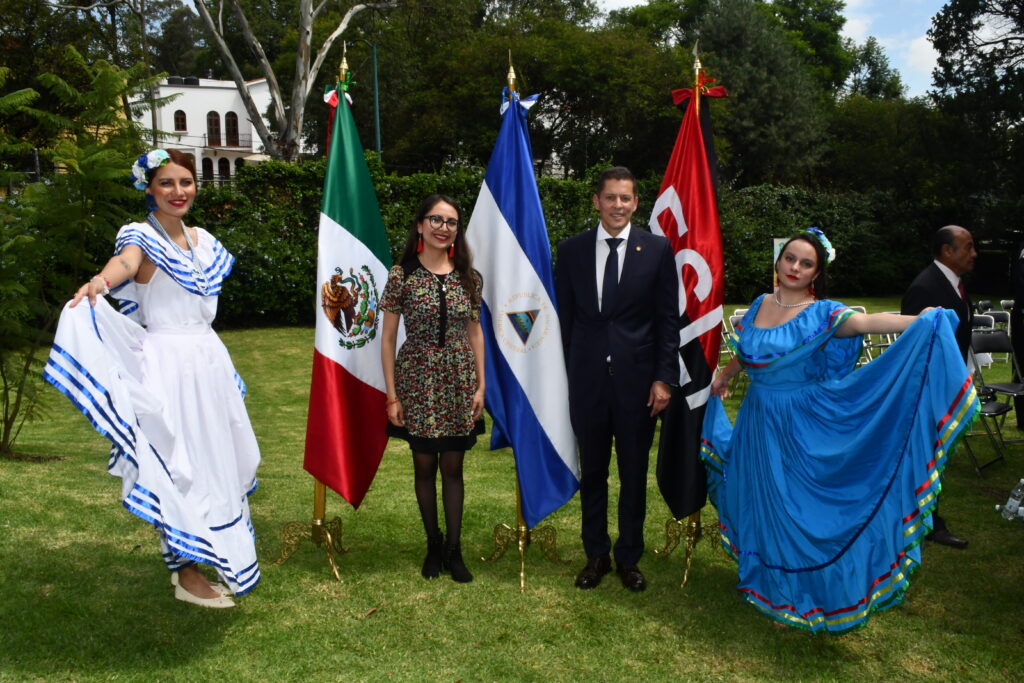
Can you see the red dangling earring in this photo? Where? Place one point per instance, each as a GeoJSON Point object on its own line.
{"type": "Point", "coordinates": [451, 251]}
{"type": "Point", "coordinates": [419, 244]}
{"type": "Point", "coordinates": [810, 290]}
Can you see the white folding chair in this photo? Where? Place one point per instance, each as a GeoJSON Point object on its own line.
{"type": "Point", "coordinates": [982, 322]}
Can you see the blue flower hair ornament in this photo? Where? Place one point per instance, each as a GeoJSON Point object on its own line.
{"type": "Point", "coordinates": [829, 249]}
{"type": "Point", "coordinates": [147, 162]}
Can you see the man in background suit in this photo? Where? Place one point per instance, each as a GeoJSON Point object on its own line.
{"type": "Point", "coordinates": [617, 293]}
{"type": "Point", "coordinates": [940, 284]}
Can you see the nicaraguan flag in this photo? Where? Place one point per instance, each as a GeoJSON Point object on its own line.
{"type": "Point", "coordinates": [527, 389]}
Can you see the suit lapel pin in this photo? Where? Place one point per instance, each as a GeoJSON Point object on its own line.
{"type": "Point", "coordinates": [638, 247]}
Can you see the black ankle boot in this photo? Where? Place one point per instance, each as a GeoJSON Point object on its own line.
{"type": "Point", "coordinates": [435, 556]}
{"type": "Point", "coordinates": [453, 562]}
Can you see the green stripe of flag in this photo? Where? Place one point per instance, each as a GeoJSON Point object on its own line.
{"type": "Point", "coordinates": [349, 197]}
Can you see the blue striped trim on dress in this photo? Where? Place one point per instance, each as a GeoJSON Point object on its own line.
{"type": "Point", "coordinates": [184, 547]}
{"type": "Point", "coordinates": [93, 400]}
{"type": "Point", "coordinates": [164, 257]}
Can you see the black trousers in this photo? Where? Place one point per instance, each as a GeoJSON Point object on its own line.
{"type": "Point", "coordinates": [627, 423]}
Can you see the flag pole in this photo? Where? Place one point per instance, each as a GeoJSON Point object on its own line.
{"type": "Point", "coordinates": [693, 527]}
{"type": "Point", "coordinates": [689, 527]}
{"type": "Point", "coordinates": [320, 532]}
{"type": "Point", "coordinates": [504, 535]}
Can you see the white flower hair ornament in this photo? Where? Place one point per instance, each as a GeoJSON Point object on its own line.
{"type": "Point", "coordinates": [147, 162]}
{"type": "Point", "coordinates": [829, 249]}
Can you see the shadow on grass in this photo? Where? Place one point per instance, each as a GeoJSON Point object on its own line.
{"type": "Point", "coordinates": [100, 612]}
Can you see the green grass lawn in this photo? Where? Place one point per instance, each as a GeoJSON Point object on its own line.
{"type": "Point", "coordinates": [85, 595]}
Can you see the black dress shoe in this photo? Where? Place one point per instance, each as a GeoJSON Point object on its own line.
{"type": "Point", "coordinates": [946, 537]}
{"type": "Point", "coordinates": [632, 577]}
{"type": "Point", "coordinates": [590, 576]}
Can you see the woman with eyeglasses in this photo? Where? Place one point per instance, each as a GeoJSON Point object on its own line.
{"type": "Point", "coordinates": [435, 386]}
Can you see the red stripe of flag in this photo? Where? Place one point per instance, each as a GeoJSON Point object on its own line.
{"type": "Point", "coordinates": [345, 433]}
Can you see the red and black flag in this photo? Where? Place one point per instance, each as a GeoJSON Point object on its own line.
{"type": "Point", "coordinates": [686, 212]}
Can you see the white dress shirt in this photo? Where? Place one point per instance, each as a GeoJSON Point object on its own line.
{"type": "Point", "coordinates": [601, 255]}
{"type": "Point", "coordinates": [953, 278]}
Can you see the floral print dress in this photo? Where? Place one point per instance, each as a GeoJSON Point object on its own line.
{"type": "Point", "coordinates": [435, 373]}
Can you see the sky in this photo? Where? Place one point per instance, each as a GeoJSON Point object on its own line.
{"type": "Point", "coordinates": [900, 26]}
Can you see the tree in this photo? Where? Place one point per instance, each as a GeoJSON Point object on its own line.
{"type": "Point", "coordinates": [771, 127]}
{"type": "Point", "coordinates": [871, 75]}
{"type": "Point", "coordinates": [178, 47]}
{"type": "Point", "coordinates": [663, 22]}
{"type": "Point", "coordinates": [287, 117]}
{"type": "Point", "coordinates": [605, 91]}
{"type": "Point", "coordinates": [980, 81]}
{"type": "Point", "coordinates": [978, 39]}
{"type": "Point", "coordinates": [33, 40]}
{"type": "Point", "coordinates": [814, 28]}
{"type": "Point", "coordinates": [56, 231]}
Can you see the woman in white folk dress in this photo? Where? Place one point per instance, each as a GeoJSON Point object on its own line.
{"type": "Point", "coordinates": [157, 381]}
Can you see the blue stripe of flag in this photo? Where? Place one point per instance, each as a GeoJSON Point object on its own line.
{"type": "Point", "coordinates": [545, 483]}
{"type": "Point", "coordinates": [510, 179]}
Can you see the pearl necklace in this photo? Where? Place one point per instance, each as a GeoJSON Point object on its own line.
{"type": "Point", "coordinates": [778, 302]}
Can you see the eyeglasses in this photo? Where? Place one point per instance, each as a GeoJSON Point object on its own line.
{"type": "Point", "coordinates": [437, 221]}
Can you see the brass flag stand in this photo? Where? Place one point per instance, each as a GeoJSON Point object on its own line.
{"type": "Point", "coordinates": [504, 536]}
{"type": "Point", "coordinates": [321, 533]}
{"type": "Point", "coordinates": [691, 527]}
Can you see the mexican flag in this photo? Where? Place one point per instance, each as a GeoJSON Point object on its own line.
{"type": "Point", "coordinates": [345, 432]}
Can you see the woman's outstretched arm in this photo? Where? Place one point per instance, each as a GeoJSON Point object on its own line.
{"type": "Point", "coordinates": [118, 269]}
{"type": "Point", "coordinates": [876, 323]}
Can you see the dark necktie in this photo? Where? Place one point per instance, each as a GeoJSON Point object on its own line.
{"type": "Point", "coordinates": [610, 285]}
{"type": "Point", "coordinates": [960, 287]}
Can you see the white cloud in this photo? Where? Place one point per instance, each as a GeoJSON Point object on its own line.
{"type": "Point", "coordinates": [858, 26]}
{"type": "Point", "coordinates": [921, 56]}
{"type": "Point", "coordinates": [609, 5]}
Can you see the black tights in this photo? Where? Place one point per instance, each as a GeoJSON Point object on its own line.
{"type": "Point", "coordinates": [425, 468]}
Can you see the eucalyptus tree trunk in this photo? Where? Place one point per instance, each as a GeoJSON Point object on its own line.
{"type": "Point", "coordinates": [288, 121]}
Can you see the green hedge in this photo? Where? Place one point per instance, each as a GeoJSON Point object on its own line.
{"type": "Point", "coordinates": [269, 219]}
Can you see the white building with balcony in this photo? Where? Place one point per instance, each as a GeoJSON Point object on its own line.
{"type": "Point", "coordinates": [208, 121]}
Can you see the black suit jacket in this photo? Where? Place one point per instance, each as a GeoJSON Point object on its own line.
{"type": "Point", "coordinates": [932, 288]}
{"type": "Point", "coordinates": [640, 335]}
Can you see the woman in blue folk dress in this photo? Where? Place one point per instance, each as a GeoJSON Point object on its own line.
{"type": "Point", "coordinates": [158, 382]}
{"type": "Point", "coordinates": [825, 486]}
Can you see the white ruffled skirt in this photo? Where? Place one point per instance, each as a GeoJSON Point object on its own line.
{"type": "Point", "coordinates": [172, 406]}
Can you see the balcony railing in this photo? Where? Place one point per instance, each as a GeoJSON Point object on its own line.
{"type": "Point", "coordinates": [228, 141]}
{"type": "Point", "coordinates": [216, 179]}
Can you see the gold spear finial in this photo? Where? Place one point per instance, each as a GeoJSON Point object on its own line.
{"type": "Point", "coordinates": [343, 67]}
{"type": "Point", "coordinates": [696, 76]}
{"type": "Point", "coordinates": [511, 74]}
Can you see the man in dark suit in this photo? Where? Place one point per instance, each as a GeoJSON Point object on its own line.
{"type": "Point", "coordinates": [617, 296]}
{"type": "Point", "coordinates": [940, 284]}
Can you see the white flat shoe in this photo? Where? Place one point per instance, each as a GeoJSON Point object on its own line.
{"type": "Point", "coordinates": [219, 602]}
{"type": "Point", "coordinates": [219, 587]}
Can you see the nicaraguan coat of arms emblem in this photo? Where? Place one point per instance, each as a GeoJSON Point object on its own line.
{"type": "Point", "coordinates": [350, 303]}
